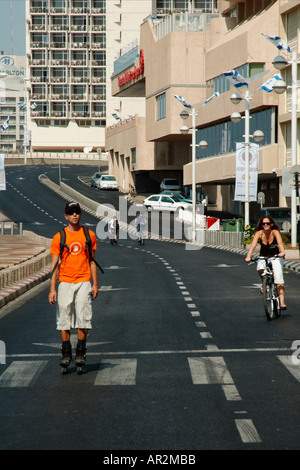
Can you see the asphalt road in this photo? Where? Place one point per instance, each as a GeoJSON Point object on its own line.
{"type": "Point", "coordinates": [181, 357]}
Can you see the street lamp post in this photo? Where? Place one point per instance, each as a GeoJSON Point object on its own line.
{"type": "Point", "coordinates": [203, 145]}
{"type": "Point", "coordinates": [280, 87]}
{"type": "Point", "coordinates": [258, 136]}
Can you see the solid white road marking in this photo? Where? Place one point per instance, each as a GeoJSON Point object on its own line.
{"type": "Point", "coordinates": [116, 372]}
{"type": "Point", "coordinates": [111, 288]}
{"type": "Point", "coordinates": [20, 373]}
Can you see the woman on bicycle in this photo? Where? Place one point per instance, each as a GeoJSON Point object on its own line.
{"type": "Point", "coordinates": [268, 235]}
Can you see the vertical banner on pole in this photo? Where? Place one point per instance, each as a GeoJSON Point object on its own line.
{"type": "Point", "coordinates": [239, 194]}
{"type": "Point", "coordinates": [2, 173]}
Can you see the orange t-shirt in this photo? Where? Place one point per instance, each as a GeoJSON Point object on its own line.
{"type": "Point", "coordinates": [75, 266]}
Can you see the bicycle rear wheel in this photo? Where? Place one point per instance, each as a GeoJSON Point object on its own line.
{"type": "Point", "coordinates": [268, 300]}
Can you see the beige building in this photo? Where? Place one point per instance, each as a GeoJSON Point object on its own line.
{"type": "Point", "coordinates": [186, 54]}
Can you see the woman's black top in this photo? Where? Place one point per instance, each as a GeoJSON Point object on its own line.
{"type": "Point", "coordinates": [269, 250]}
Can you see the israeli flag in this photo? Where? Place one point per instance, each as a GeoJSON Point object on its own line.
{"type": "Point", "coordinates": [278, 42]}
{"type": "Point", "coordinates": [33, 106]}
{"type": "Point", "coordinates": [5, 125]}
{"type": "Point", "coordinates": [182, 101]}
{"type": "Point", "coordinates": [116, 117]}
{"type": "Point", "coordinates": [216, 94]}
{"type": "Point", "coordinates": [268, 85]}
{"type": "Point", "coordinates": [22, 105]}
{"type": "Point", "coordinates": [235, 78]}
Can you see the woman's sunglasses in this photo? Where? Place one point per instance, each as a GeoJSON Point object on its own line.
{"type": "Point", "coordinates": [266, 223]}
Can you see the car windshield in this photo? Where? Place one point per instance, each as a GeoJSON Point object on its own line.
{"type": "Point", "coordinates": [109, 178]}
{"type": "Point", "coordinates": [175, 199]}
{"type": "Point", "coordinates": [171, 183]}
{"type": "Point", "coordinates": [280, 214]}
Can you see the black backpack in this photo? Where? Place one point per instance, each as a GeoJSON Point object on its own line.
{"type": "Point", "coordinates": [88, 246]}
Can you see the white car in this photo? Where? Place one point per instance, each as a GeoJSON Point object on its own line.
{"type": "Point", "coordinates": [107, 182]}
{"type": "Point", "coordinates": [161, 202]}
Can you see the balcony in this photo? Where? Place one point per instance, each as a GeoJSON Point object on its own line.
{"type": "Point", "coordinates": [58, 45]}
{"type": "Point", "coordinates": [79, 97]}
{"type": "Point", "coordinates": [78, 62]}
{"type": "Point", "coordinates": [79, 45]}
{"type": "Point", "coordinates": [37, 62]}
{"type": "Point", "coordinates": [58, 11]}
{"type": "Point", "coordinates": [37, 27]}
{"type": "Point", "coordinates": [60, 79]}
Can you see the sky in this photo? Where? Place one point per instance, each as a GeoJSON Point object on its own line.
{"type": "Point", "coordinates": [12, 39]}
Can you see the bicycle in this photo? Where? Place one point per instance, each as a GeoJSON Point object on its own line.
{"type": "Point", "coordinates": [270, 293]}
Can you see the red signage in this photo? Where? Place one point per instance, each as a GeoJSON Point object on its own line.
{"type": "Point", "coordinates": [133, 74]}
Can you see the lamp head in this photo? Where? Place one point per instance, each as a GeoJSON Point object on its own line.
{"type": "Point", "coordinates": [235, 98]}
{"type": "Point", "coordinates": [235, 117]}
{"type": "Point", "coordinates": [203, 144]}
{"type": "Point", "coordinates": [184, 130]}
{"type": "Point", "coordinates": [184, 114]}
{"type": "Point", "coordinates": [279, 62]}
{"type": "Point", "coordinates": [258, 136]}
{"type": "Point", "coordinates": [279, 87]}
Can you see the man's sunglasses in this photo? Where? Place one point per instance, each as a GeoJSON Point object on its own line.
{"type": "Point", "coordinates": [71, 211]}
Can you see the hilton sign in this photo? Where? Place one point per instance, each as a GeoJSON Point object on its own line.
{"type": "Point", "coordinates": [133, 74]}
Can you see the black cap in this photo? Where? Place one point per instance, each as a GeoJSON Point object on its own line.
{"type": "Point", "coordinates": [71, 206]}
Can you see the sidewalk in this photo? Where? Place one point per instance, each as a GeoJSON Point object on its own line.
{"type": "Point", "coordinates": [24, 263]}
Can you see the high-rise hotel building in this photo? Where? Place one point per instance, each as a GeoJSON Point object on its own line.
{"type": "Point", "coordinates": [71, 47]}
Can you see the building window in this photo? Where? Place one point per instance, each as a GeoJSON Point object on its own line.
{"type": "Point", "coordinates": [161, 106]}
{"type": "Point", "coordinates": [222, 137]}
{"type": "Point", "coordinates": [222, 84]}
{"type": "Point", "coordinates": [133, 155]}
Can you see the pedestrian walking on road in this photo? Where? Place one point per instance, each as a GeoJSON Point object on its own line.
{"type": "Point", "coordinates": [140, 224]}
{"type": "Point", "coordinates": [75, 291]}
{"type": "Point", "coordinates": [113, 230]}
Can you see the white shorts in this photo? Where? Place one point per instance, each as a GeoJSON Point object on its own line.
{"type": "Point", "coordinates": [73, 298]}
{"type": "Point", "coordinates": [277, 264]}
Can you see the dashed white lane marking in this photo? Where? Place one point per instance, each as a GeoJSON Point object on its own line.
{"type": "Point", "coordinates": [247, 431]}
{"type": "Point", "coordinates": [231, 392]}
{"type": "Point", "coordinates": [209, 370]}
{"type": "Point", "coordinates": [34, 204]}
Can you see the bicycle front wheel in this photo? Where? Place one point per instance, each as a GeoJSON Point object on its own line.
{"type": "Point", "coordinates": [268, 300]}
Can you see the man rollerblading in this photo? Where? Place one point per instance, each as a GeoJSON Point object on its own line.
{"type": "Point", "coordinates": [74, 247]}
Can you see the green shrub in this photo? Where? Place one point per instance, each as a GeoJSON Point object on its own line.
{"type": "Point", "coordinates": [249, 234]}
